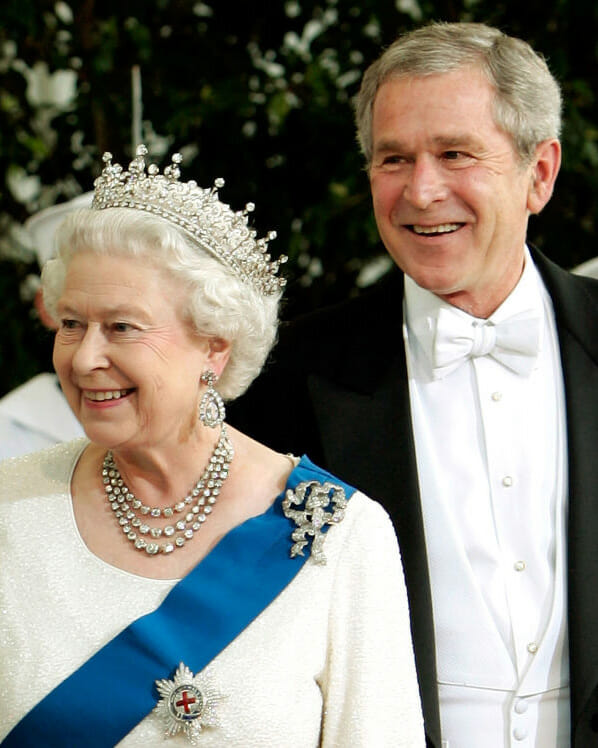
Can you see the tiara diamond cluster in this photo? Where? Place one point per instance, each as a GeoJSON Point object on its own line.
{"type": "Point", "coordinates": [211, 224]}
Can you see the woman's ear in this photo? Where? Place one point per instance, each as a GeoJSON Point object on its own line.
{"type": "Point", "coordinates": [42, 312]}
{"type": "Point", "coordinates": [545, 168]}
{"type": "Point", "coordinates": [219, 354]}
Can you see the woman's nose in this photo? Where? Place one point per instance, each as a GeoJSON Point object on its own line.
{"type": "Point", "coordinates": [91, 351]}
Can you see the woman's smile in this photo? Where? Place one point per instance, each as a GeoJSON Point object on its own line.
{"type": "Point", "coordinates": [103, 395]}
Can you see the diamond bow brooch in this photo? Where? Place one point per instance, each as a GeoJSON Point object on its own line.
{"type": "Point", "coordinates": [321, 504]}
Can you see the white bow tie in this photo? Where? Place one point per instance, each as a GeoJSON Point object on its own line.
{"type": "Point", "coordinates": [514, 342]}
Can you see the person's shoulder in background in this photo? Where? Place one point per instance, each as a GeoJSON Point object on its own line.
{"type": "Point", "coordinates": [35, 415]}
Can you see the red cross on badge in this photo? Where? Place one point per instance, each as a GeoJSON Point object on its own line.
{"type": "Point", "coordinates": [187, 704]}
{"type": "Point", "coordinates": [185, 701]}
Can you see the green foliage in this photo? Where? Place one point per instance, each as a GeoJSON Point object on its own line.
{"type": "Point", "coordinates": [259, 93]}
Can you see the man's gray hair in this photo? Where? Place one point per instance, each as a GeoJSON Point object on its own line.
{"type": "Point", "coordinates": [216, 302]}
{"type": "Point", "coordinates": [527, 105]}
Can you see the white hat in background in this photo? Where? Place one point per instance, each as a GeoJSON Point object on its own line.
{"type": "Point", "coordinates": [42, 226]}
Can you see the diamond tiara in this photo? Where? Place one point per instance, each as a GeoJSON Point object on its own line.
{"type": "Point", "coordinates": [211, 224]}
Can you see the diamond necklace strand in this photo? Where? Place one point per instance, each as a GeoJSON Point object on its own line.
{"type": "Point", "coordinates": [203, 496]}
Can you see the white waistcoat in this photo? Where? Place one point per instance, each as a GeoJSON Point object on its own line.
{"type": "Point", "coordinates": [491, 450]}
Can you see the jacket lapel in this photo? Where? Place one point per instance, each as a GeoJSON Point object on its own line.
{"type": "Point", "coordinates": [576, 312]}
{"type": "Point", "coordinates": [372, 388]}
{"type": "Point", "coordinates": [364, 419]}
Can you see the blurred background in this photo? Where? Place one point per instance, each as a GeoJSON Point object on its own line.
{"type": "Point", "coordinates": [258, 93]}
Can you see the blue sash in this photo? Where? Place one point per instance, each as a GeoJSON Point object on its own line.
{"type": "Point", "coordinates": [102, 701]}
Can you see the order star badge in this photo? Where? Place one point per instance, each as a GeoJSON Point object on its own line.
{"type": "Point", "coordinates": [186, 704]}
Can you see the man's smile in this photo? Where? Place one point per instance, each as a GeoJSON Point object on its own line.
{"type": "Point", "coordinates": [442, 228]}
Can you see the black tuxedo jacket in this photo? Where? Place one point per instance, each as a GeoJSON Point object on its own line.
{"type": "Point", "coordinates": [336, 388]}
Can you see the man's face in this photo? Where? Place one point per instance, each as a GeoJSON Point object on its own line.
{"type": "Point", "coordinates": [450, 195]}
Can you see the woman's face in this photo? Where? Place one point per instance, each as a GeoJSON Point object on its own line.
{"type": "Point", "coordinates": [127, 360]}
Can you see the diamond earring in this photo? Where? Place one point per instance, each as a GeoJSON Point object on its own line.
{"type": "Point", "coordinates": [211, 407]}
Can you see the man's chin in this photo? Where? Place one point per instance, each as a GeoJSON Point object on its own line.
{"type": "Point", "coordinates": [438, 281]}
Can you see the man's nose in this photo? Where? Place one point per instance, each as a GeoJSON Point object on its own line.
{"type": "Point", "coordinates": [91, 351]}
{"type": "Point", "coordinates": [425, 183]}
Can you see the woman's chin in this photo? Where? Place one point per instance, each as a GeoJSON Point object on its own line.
{"type": "Point", "coordinates": [108, 438]}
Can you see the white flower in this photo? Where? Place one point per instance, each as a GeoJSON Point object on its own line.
{"type": "Point", "coordinates": [372, 270]}
{"type": "Point", "coordinates": [63, 12]}
{"type": "Point", "coordinates": [56, 89]}
{"type": "Point", "coordinates": [23, 187]}
{"type": "Point", "coordinates": [411, 8]}
{"type": "Point", "coordinates": [15, 244]}
{"type": "Point", "coordinates": [202, 10]}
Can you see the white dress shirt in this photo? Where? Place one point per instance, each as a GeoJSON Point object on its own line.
{"type": "Point", "coordinates": [491, 456]}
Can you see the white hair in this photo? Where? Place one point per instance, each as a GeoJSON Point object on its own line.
{"type": "Point", "coordinates": [219, 304]}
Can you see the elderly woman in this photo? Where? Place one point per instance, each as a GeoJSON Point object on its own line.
{"type": "Point", "coordinates": [168, 580]}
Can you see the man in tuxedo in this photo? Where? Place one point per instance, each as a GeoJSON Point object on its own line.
{"type": "Point", "coordinates": [461, 391]}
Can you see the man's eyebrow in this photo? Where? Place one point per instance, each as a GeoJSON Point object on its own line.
{"type": "Point", "coordinates": [457, 140]}
{"type": "Point", "coordinates": [388, 144]}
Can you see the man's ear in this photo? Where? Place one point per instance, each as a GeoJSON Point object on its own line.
{"type": "Point", "coordinates": [545, 167]}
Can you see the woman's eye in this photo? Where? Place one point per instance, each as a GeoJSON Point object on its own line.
{"type": "Point", "coordinates": [68, 324]}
